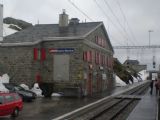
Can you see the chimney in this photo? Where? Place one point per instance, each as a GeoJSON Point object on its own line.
{"type": "Point", "coordinates": [63, 19]}
{"type": "Point", "coordinates": [1, 22]}
{"type": "Point", "coordinates": [74, 21]}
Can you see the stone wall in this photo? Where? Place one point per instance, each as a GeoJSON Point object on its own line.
{"type": "Point", "coordinates": [75, 57]}
{"type": "Point", "coordinates": [17, 62]}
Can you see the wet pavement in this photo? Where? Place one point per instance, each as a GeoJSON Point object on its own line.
{"type": "Point", "coordinates": [49, 108]}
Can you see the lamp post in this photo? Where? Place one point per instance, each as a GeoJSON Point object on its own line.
{"type": "Point", "coordinates": [150, 37]}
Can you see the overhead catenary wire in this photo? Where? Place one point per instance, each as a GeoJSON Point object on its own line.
{"type": "Point", "coordinates": [124, 36]}
{"type": "Point", "coordinates": [124, 17]}
{"type": "Point", "coordinates": [116, 41]}
{"type": "Point", "coordinates": [75, 6]}
{"type": "Point", "coordinates": [118, 21]}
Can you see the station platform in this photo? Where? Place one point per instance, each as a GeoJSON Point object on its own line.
{"type": "Point", "coordinates": [147, 108]}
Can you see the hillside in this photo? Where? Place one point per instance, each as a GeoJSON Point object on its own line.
{"type": "Point", "coordinates": [16, 24]}
{"type": "Point", "coordinates": [12, 25]}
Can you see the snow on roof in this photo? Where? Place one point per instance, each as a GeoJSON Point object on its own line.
{"type": "Point", "coordinates": [144, 74]}
{"type": "Point", "coordinates": [7, 31]}
{"type": "Point", "coordinates": [119, 82]}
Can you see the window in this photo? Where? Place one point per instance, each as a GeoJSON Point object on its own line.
{"type": "Point", "coordinates": [9, 98]}
{"type": "Point", "coordinates": [97, 57]}
{"type": "Point", "coordinates": [17, 97]}
{"type": "Point", "coordinates": [100, 41]}
{"type": "Point", "coordinates": [1, 99]}
{"type": "Point", "coordinates": [87, 56]}
{"type": "Point", "coordinates": [96, 39]}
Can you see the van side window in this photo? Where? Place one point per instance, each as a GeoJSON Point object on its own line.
{"type": "Point", "coordinates": [1, 99]}
{"type": "Point", "coordinates": [9, 98]}
{"type": "Point", "coordinates": [17, 97]}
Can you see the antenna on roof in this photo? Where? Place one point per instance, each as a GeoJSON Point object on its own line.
{"type": "Point", "coordinates": [38, 21]}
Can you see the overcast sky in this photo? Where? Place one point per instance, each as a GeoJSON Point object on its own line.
{"type": "Point", "coordinates": [140, 15]}
{"type": "Point", "coordinates": [134, 18]}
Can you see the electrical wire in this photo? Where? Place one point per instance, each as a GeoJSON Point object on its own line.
{"type": "Point", "coordinates": [118, 21]}
{"type": "Point", "coordinates": [131, 31]}
{"type": "Point", "coordinates": [116, 41]}
{"type": "Point", "coordinates": [124, 36]}
{"type": "Point", "coordinates": [75, 6]}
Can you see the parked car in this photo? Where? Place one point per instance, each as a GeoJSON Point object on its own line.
{"type": "Point", "coordinates": [25, 94]}
{"type": "Point", "coordinates": [10, 104]}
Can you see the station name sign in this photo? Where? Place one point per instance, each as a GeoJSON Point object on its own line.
{"type": "Point", "coordinates": [61, 50]}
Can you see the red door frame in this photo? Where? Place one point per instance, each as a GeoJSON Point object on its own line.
{"type": "Point", "coordinates": [89, 84]}
{"type": "Point", "coordinates": [99, 82]}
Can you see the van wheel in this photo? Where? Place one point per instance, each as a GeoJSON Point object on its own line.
{"type": "Point", "coordinates": [15, 112]}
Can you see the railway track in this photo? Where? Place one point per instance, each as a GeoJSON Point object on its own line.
{"type": "Point", "coordinates": [113, 108]}
{"type": "Point", "coordinates": [118, 107]}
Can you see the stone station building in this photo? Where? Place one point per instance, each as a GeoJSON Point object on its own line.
{"type": "Point", "coordinates": [68, 54]}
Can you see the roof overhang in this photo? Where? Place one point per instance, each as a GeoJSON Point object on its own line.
{"type": "Point", "coordinates": [45, 39]}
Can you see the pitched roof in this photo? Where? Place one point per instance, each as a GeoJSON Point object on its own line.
{"type": "Point", "coordinates": [131, 62]}
{"type": "Point", "coordinates": [38, 32]}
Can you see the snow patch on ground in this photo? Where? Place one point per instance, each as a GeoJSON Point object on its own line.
{"type": "Point", "coordinates": [119, 82]}
{"type": "Point", "coordinates": [37, 90]}
{"type": "Point", "coordinates": [4, 78]}
{"type": "Point", "coordinates": [2, 88]}
{"type": "Point", "coordinates": [135, 79]}
{"type": "Point", "coordinates": [56, 95]}
{"type": "Point", "coordinates": [144, 74]}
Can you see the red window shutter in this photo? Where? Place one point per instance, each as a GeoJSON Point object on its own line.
{"type": "Point", "coordinates": [89, 56]}
{"type": "Point", "coordinates": [85, 56]}
{"type": "Point", "coordinates": [99, 58]}
{"type": "Point", "coordinates": [96, 57]}
{"type": "Point", "coordinates": [35, 52]}
{"type": "Point", "coordinates": [102, 42]}
{"type": "Point", "coordinates": [38, 78]}
{"type": "Point", "coordinates": [108, 61]}
{"type": "Point", "coordinates": [43, 54]}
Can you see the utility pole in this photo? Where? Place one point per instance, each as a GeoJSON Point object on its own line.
{"type": "Point", "coordinates": [150, 37]}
